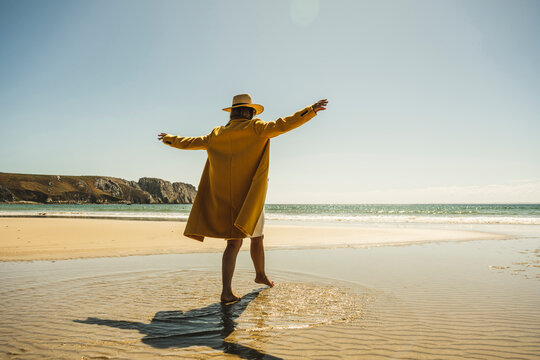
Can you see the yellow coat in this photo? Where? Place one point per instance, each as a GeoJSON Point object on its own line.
{"type": "Point", "coordinates": [233, 185]}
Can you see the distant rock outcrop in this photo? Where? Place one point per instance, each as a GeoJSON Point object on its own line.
{"type": "Point", "coordinates": [165, 192]}
{"type": "Point", "coordinates": [6, 195]}
{"type": "Point", "coordinates": [92, 189]}
{"type": "Point", "coordinates": [109, 187]}
{"type": "Point", "coordinates": [185, 192]}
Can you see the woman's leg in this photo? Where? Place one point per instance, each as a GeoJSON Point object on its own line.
{"type": "Point", "coordinates": [227, 268]}
{"type": "Point", "coordinates": [257, 255]}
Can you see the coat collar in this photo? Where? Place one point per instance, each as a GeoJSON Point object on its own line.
{"type": "Point", "coordinates": [237, 120]}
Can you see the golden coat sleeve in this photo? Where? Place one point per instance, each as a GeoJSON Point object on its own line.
{"type": "Point", "coordinates": [282, 125]}
{"type": "Point", "coordinates": [187, 143]}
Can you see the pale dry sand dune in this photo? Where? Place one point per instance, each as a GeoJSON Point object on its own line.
{"type": "Point", "coordinates": [23, 239]}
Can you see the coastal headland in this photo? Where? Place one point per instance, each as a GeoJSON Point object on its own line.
{"type": "Point", "coordinates": [59, 189]}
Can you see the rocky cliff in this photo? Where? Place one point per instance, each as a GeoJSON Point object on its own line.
{"type": "Point", "coordinates": [92, 189]}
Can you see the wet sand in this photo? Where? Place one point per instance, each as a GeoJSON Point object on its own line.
{"type": "Point", "coordinates": [348, 299]}
{"type": "Point", "coordinates": [477, 299]}
{"type": "Point", "coordinates": [24, 239]}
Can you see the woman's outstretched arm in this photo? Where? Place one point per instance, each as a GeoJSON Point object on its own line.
{"type": "Point", "coordinates": [186, 143]}
{"type": "Point", "coordinates": [282, 125]}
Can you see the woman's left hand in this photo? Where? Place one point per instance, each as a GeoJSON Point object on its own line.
{"type": "Point", "coordinates": [320, 105]}
{"type": "Point", "coordinates": [161, 136]}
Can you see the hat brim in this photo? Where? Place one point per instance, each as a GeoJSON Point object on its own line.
{"type": "Point", "coordinates": [258, 108]}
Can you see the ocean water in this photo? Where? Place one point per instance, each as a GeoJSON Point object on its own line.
{"type": "Point", "coordinates": [523, 214]}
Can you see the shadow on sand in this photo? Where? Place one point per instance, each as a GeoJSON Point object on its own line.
{"type": "Point", "coordinates": [208, 326]}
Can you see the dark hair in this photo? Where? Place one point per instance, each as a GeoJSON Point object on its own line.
{"type": "Point", "coordinates": [242, 112]}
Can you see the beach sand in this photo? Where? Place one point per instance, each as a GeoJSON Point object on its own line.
{"type": "Point", "coordinates": [434, 299]}
{"type": "Point", "coordinates": [54, 239]}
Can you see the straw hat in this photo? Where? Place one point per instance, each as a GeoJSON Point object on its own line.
{"type": "Point", "coordinates": [244, 100]}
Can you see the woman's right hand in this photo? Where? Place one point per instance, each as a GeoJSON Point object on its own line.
{"type": "Point", "coordinates": [320, 105]}
{"type": "Point", "coordinates": [161, 136]}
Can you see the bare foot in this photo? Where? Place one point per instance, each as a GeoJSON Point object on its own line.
{"type": "Point", "coordinates": [264, 280]}
{"type": "Point", "coordinates": [229, 298]}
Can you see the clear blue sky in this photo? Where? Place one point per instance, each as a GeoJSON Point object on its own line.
{"type": "Point", "coordinates": [430, 101]}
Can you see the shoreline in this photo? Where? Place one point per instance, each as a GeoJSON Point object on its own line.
{"type": "Point", "coordinates": [40, 238]}
{"type": "Point", "coordinates": [366, 220]}
{"type": "Point", "coordinates": [96, 217]}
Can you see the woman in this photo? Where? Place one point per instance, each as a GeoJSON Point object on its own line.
{"type": "Point", "coordinates": [230, 197]}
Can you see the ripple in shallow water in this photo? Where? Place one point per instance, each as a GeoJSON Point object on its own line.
{"type": "Point", "coordinates": [301, 305]}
